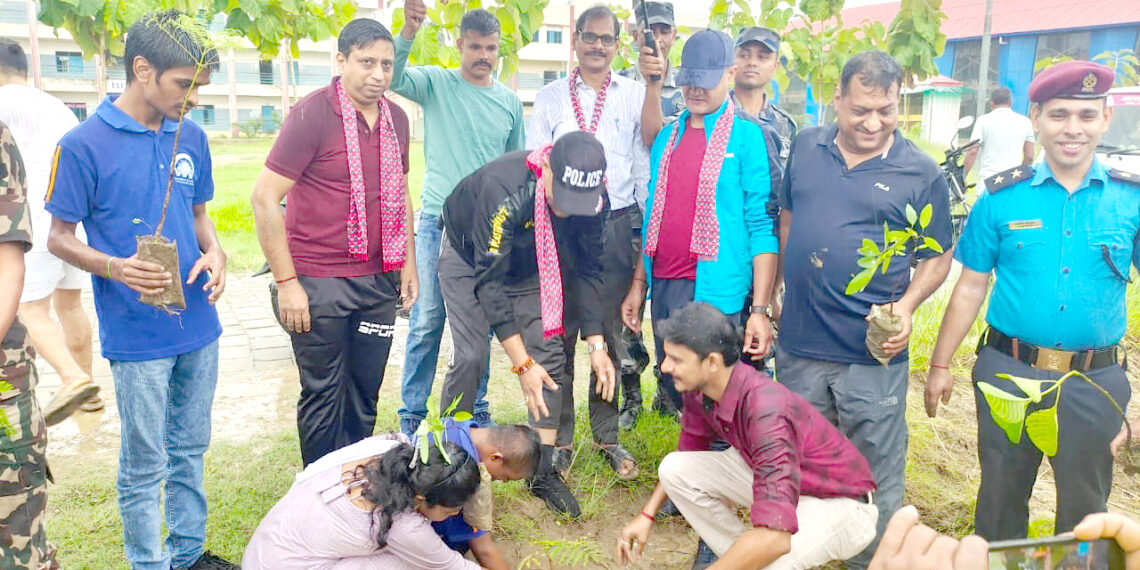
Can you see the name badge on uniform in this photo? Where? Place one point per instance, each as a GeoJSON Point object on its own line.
{"type": "Point", "coordinates": [1025, 225]}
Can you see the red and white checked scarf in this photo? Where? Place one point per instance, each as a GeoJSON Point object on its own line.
{"type": "Point", "coordinates": [599, 103]}
{"type": "Point", "coordinates": [549, 269]}
{"type": "Point", "coordinates": [393, 208]}
{"type": "Point", "coordinates": [705, 243]}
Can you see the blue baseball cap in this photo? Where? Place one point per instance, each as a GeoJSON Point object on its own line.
{"type": "Point", "coordinates": [706, 56]}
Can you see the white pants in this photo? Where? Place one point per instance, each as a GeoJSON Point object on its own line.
{"type": "Point", "coordinates": [44, 273]}
{"type": "Point", "coordinates": [703, 484]}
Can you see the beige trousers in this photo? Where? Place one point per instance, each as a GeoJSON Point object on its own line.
{"type": "Point", "coordinates": [706, 485]}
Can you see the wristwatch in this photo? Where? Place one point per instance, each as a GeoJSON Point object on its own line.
{"type": "Point", "coordinates": [765, 310]}
{"type": "Point", "coordinates": [592, 348]}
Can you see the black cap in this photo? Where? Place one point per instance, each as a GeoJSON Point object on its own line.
{"type": "Point", "coordinates": [659, 13]}
{"type": "Point", "coordinates": [764, 36]}
{"type": "Point", "coordinates": [578, 167]}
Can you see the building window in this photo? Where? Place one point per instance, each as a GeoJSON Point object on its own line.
{"type": "Point", "coordinates": [1063, 44]}
{"type": "Point", "coordinates": [203, 115]}
{"type": "Point", "coordinates": [80, 110]}
{"type": "Point", "coordinates": [553, 36]}
{"type": "Point", "coordinates": [265, 72]}
{"type": "Point", "coordinates": [535, 38]}
{"type": "Point", "coordinates": [69, 62]}
{"type": "Point", "coordinates": [550, 77]}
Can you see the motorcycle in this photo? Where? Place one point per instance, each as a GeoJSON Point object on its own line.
{"type": "Point", "coordinates": [955, 174]}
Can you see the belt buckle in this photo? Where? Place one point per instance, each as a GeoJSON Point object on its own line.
{"type": "Point", "coordinates": [1053, 360]}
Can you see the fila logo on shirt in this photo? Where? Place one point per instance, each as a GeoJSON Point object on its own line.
{"type": "Point", "coordinates": [579, 179]}
{"type": "Point", "coordinates": [378, 329]}
{"type": "Point", "coordinates": [882, 187]}
{"type": "Point", "coordinates": [184, 169]}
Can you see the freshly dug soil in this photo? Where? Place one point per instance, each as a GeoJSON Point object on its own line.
{"type": "Point", "coordinates": [158, 249]}
{"type": "Point", "coordinates": [883, 325]}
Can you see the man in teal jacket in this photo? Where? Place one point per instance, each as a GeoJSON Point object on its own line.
{"type": "Point", "coordinates": [709, 232]}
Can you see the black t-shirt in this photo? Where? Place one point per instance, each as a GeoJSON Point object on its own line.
{"type": "Point", "coordinates": [833, 210]}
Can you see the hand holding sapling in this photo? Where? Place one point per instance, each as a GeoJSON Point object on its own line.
{"type": "Point", "coordinates": [888, 331]}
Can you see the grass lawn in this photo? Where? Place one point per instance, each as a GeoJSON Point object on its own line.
{"type": "Point", "coordinates": [245, 479]}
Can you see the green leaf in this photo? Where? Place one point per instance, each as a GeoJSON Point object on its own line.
{"type": "Point", "coordinates": [927, 213]}
{"type": "Point", "coordinates": [911, 215]}
{"type": "Point", "coordinates": [1042, 428]}
{"type": "Point", "coordinates": [860, 280]}
{"type": "Point", "coordinates": [462, 416]}
{"type": "Point", "coordinates": [869, 262]}
{"type": "Point", "coordinates": [932, 244]}
{"type": "Point", "coordinates": [1032, 388]}
{"type": "Point", "coordinates": [1007, 410]}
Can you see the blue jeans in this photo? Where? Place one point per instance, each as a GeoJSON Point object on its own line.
{"type": "Point", "coordinates": [425, 329]}
{"type": "Point", "coordinates": [164, 405]}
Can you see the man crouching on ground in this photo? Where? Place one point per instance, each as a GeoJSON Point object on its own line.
{"type": "Point", "coordinates": [808, 487]}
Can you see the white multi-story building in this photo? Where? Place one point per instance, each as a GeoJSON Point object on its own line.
{"type": "Point", "coordinates": [247, 89]}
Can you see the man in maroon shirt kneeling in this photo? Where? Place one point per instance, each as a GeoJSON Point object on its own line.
{"type": "Point", "coordinates": [808, 487]}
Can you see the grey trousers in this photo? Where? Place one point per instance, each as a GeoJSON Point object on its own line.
{"type": "Point", "coordinates": [469, 330]}
{"type": "Point", "coordinates": [618, 259]}
{"type": "Point", "coordinates": [868, 404]}
{"type": "Point", "coordinates": [1082, 467]}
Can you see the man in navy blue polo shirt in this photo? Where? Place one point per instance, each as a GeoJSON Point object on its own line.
{"type": "Point", "coordinates": [111, 175]}
{"type": "Point", "coordinates": [843, 182]}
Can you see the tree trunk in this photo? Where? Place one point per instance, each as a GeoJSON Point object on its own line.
{"type": "Point", "coordinates": [34, 43]}
{"type": "Point", "coordinates": [232, 81]}
{"type": "Point", "coordinates": [101, 69]}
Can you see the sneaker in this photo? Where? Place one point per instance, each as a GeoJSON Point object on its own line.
{"type": "Point", "coordinates": [483, 418]}
{"type": "Point", "coordinates": [209, 561]}
{"type": "Point", "coordinates": [668, 509]}
{"type": "Point", "coordinates": [705, 557]}
{"type": "Point", "coordinates": [68, 399]}
{"type": "Point", "coordinates": [408, 426]}
{"type": "Point", "coordinates": [548, 486]}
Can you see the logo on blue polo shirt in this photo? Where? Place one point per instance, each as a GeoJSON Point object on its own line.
{"type": "Point", "coordinates": [184, 169]}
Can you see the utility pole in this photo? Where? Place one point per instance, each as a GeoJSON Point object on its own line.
{"type": "Point", "coordinates": [984, 65]}
{"type": "Point", "coordinates": [34, 44]}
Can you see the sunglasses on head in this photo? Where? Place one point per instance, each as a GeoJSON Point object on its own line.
{"type": "Point", "coordinates": [591, 37]}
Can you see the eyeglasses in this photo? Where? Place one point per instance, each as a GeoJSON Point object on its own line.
{"type": "Point", "coordinates": [591, 37]}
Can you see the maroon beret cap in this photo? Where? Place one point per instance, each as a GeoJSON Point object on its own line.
{"type": "Point", "coordinates": [1071, 80]}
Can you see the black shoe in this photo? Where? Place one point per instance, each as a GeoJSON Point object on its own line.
{"type": "Point", "coordinates": [664, 406]}
{"type": "Point", "coordinates": [209, 561]}
{"type": "Point", "coordinates": [548, 486]}
{"type": "Point", "coordinates": [668, 509]}
{"type": "Point", "coordinates": [628, 417]}
{"type": "Point", "coordinates": [563, 458]}
{"type": "Point", "coordinates": [705, 557]}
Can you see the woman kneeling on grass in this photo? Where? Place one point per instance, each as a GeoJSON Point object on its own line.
{"type": "Point", "coordinates": [374, 513]}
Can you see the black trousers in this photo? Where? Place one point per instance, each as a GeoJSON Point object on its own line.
{"type": "Point", "coordinates": [618, 259]}
{"type": "Point", "coordinates": [341, 359]}
{"type": "Point", "coordinates": [1082, 466]}
{"type": "Point", "coordinates": [470, 327]}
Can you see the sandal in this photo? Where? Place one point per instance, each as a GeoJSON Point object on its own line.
{"type": "Point", "coordinates": [67, 400]}
{"type": "Point", "coordinates": [623, 464]}
{"type": "Point", "coordinates": [92, 404]}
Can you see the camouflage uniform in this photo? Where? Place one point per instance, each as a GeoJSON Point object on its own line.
{"type": "Point", "coordinates": [23, 435]}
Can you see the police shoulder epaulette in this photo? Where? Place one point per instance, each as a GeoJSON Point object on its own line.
{"type": "Point", "coordinates": [1124, 175]}
{"type": "Point", "coordinates": [1007, 178]}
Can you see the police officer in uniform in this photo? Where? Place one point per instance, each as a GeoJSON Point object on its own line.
{"type": "Point", "coordinates": [1059, 238]}
{"type": "Point", "coordinates": [23, 433]}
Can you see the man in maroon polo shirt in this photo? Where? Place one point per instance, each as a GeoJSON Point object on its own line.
{"type": "Point", "coordinates": [807, 485]}
{"type": "Point", "coordinates": [342, 254]}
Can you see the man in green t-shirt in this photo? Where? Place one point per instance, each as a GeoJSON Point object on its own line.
{"type": "Point", "coordinates": [470, 119]}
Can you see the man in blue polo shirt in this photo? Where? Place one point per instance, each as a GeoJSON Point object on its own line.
{"type": "Point", "coordinates": [111, 175]}
{"type": "Point", "coordinates": [1060, 238]}
{"type": "Point", "coordinates": [842, 183]}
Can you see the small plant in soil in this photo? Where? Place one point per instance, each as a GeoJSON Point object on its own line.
{"type": "Point", "coordinates": [874, 257]}
{"type": "Point", "coordinates": [433, 428]}
{"type": "Point", "coordinates": [193, 37]}
{"type": "Point", "coordinates": [1042, 426]}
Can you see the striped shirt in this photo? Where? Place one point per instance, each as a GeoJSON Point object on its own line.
{"type": "Point", "coordinates": [619, 130]}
